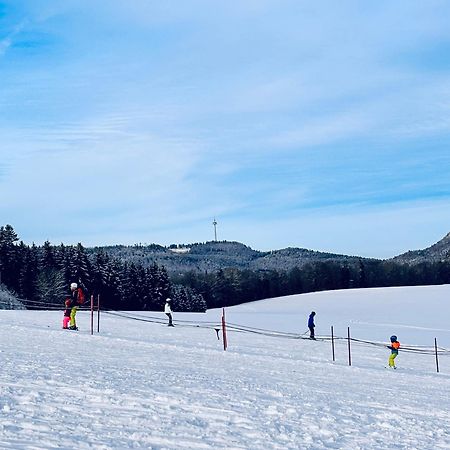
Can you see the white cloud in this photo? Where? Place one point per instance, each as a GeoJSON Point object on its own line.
{"type": "Point", "coordinates": [4, 45]}
{"type": "Point", "coordinates": [7, 41]}
{"type": "Point", "coordinates": [187, 106]}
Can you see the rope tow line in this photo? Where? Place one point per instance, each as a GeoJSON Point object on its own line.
{"type": "Point", "coordinates": [279, 334]}
{"type": "Point", "coordinates": [232, 327]}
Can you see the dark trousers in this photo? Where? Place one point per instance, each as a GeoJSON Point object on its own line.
{"type": "Point", "coordinates": [311, 332]}
{"type": "Point", "coordinates": [170, 319]}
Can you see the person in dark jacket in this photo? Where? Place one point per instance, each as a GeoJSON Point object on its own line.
{"type": "Point", "coordinates": [395, 345]}
{"type": "Point", "coordinates": [311, 325]}
{"type": "Point", "coordinates": [77, 299]}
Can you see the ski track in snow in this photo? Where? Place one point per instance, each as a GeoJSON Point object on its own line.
{"type": "Point", "coordinates": [143, 385]}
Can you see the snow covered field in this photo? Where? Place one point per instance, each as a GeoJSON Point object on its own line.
{"type": "Point", "coordinates": [144, 385]}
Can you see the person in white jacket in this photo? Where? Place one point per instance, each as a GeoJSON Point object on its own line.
{"type": "Point", "coordinates": [168, 312]}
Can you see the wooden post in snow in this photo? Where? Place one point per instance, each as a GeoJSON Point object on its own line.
{"type": "Point", "coordinates": [349, 350]}
{"type": "Point", "coordinates": [92, 314]}
{"type": "Point", "coordinates": [332, 342]}
{"type": "Point", "coordinates": [436, 353]}
{"type": "Point", "coordinates": [98, 313]}
{"type": "Point", "coordinates": [224, 330]}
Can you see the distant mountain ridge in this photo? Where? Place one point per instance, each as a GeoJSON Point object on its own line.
{"type": "Point", "coordinates": [212, 256]}
{"type": "Point", "coordinates": [440, 251]}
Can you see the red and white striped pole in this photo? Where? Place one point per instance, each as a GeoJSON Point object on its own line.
{"type": "Point", "coordinates": [224, 330]}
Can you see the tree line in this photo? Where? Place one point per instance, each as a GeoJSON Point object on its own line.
{"type": "Point", "coordinates": [228, 287]}
{"type": "Point", "coordinates": [40, 275]}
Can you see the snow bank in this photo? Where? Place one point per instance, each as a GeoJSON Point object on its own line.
{"type": "Point", "coordinates": [8, 300]}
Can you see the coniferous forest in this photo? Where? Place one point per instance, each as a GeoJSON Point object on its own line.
{"type": "Point", "coordinates": [40, 276]}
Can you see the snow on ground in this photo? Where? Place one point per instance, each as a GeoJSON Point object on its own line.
{"type": "Point", "coordinates": [145, 385]}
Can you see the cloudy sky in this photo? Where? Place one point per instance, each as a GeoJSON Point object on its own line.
{"type": "Point", "coordinates": [317, 124]}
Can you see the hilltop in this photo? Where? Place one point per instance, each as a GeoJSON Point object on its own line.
{"type": "Point", "coordinates": [212, 256]}
{"type": "Point", "coordinates": [439, 252]}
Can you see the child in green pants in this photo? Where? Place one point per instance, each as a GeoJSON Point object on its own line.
{"type": "Point", "coordinates": [395, 345]}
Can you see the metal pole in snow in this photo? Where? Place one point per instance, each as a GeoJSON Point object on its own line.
{"type": "Point", "coordinates": [349, 351]}
{"type": "Point", "coordinates": [332, 342]}
{"type": "Point", "coordinates": [224, 331]}
{"type": "Point", "coordinates": [98, 313]}
{"type": "Point", "coordinates": [436, 352]}
{"type": "Point", "coordinates": [92, 314]}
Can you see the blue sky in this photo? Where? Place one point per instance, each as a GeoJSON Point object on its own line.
{"type": "Point", "coordinates": [323, 125]}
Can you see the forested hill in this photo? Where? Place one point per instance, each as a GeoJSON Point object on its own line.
{"type": "Point", "coordinates": [198, 276]}
{"type": "Point", "coordinates": [213, 256]}
{"type": "Point", "coordinates": [439, 252]}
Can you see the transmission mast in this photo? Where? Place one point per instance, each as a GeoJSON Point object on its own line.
{"type": "Point", "coordinates": [215, 229]}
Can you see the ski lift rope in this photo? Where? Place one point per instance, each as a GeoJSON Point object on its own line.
{"type": "Point", "coordinates": [232, 327]}
{"type": "Point", "coordinates": [272, 333]}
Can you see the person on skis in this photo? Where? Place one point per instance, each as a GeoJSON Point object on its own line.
{"type": "Point", "coordinates": [168, 312]}
{"type": "Point", "coordinates": [395, 345]}
{"type": "Point", "coordinates": [311, 325]}
{"type": "Point", "coordinates": [76, 299]}
{"type": "Point", "coordinates": [67, 310]}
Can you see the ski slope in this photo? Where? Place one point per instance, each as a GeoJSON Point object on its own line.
{"type": "Point", "coordinates": [144, 385]}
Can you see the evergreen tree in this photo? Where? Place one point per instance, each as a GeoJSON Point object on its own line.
{"type": "Point", "coordinates": [130, 295]}
{"type": "Point", "coordinates": [111, 293]}
{"type": "Point", "coordinates": [295, 283]}
{"type": "Point", "coordinates": [51, 288]}
{"type": "Point", "coordinates": [164, 284]}
{"type": "Point", "coordinates": [82, 268]}
{"type": "Point", "coordinates": [48, 260]}
{"type": "Point", "coordinates": [28, 274]}
{"type": "Point", "coordinates": [60, 257]}
{"type": "Point", "coordinates": [8, 239]}
{"type": "Point", "coordinates": [99, 272]}
{"type": "Point", "coordinates": [186, 299]}
{"type": "Point", "coordinates": [221, 290]}
{"type": "Point", "coordinates": [69, 265]}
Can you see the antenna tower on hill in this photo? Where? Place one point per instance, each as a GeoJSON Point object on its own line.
{"type": "Point", "coordinates": [215, 229]}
